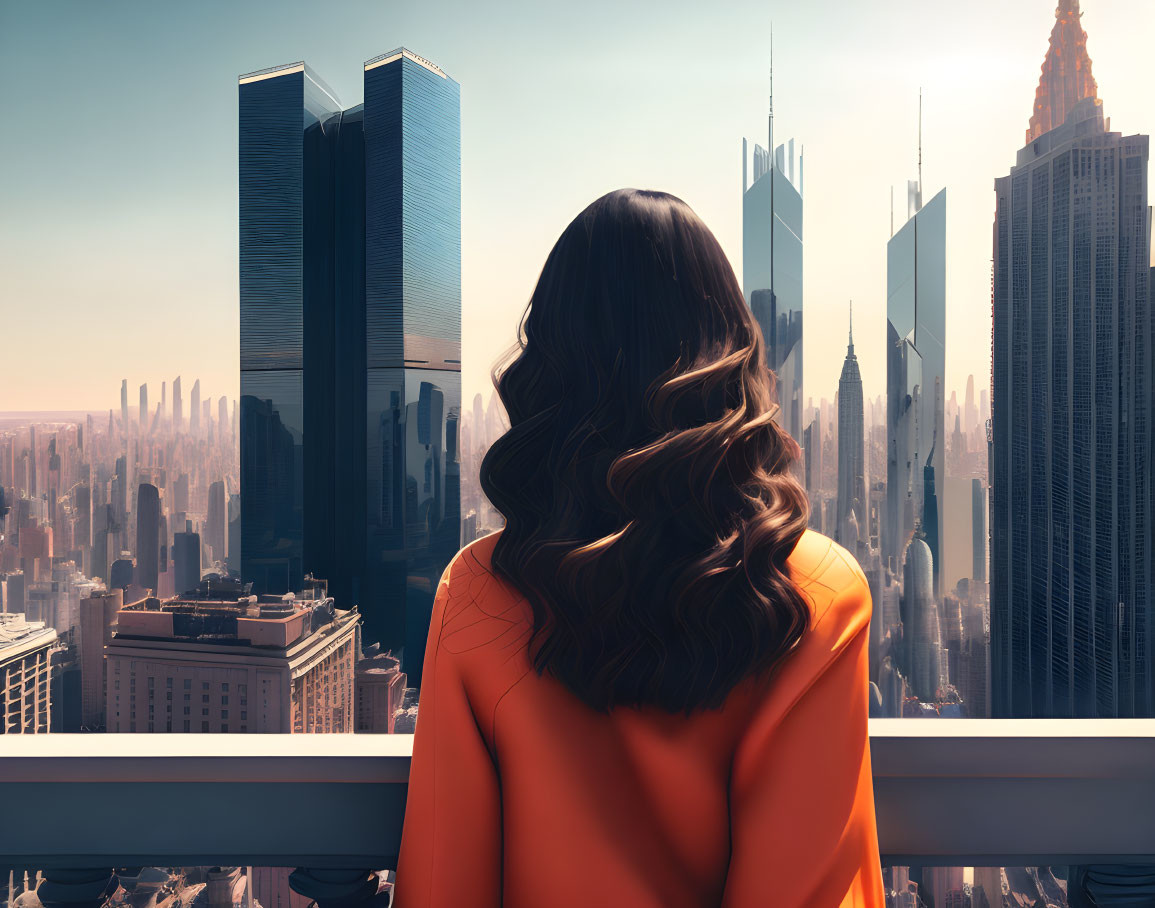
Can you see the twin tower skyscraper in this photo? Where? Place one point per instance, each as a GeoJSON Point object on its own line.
{"type": "Point", "coordinates": [350, 338]}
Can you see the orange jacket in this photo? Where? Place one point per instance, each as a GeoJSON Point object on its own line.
{"type": "Point", "coordinates": [521, 796]}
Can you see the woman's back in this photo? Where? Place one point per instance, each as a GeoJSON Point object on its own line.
{"type": "Point", "coordinates": [521, 795]}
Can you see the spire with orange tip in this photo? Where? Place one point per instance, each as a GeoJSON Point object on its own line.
{"type": "Point", "coordinates": [1066, 74]}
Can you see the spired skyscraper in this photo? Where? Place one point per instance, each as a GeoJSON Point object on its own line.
{"type": "Point", "coordinates": [350, 249]}
{"type": "Point", "coordinates": [851, 527]}
{"type": "Point", "coordinates": [1071, 456]}
{"type": "Point", "coordinates": [772, 264]}
{"type": "Point", "coordinates": [915, 371]}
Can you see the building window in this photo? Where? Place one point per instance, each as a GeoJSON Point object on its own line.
{"type": "Point", "coordinates": [205, 711]}
{"type": "Point", "coordinates": [188, 683]}
{"type": "Point", "coordinates": [224, 701]}
{"type": "Point", "coordinates": [204, 698]}
{"type": "Point", "coordinates": [187, 711]}
{"type": "Point", "coordinates": [186, 725]}
{"type": "Point", "coordinates": [225, 686]}
{"type": "Point", "coordinates": [224, 728]}
{"type": "Point", "coordinates": [204, 685]}
{"type": "Point", "coordinates": [224, 713]}
{"type": "Point", "coordinates": [244, 715]}
{"type": "Point", "coordinates": [204, 726]}
{"type": "Point", "coordinates": [168, 683]}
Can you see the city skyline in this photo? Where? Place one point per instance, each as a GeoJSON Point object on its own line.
{"type": "Point", "coordinates": [856, 149]}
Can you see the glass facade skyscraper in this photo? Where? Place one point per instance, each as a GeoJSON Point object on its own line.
{"type": "Point", "coordinates": [412, 326]}
{"type": "Point", "coordinates": [915, 370]}
{"type": "Point", "coordinates": [351, 339]}
{"type": "Point", "coordinates": [851, 527]}
{"type": "Point", "coordinates": [1071, 509]}
{"type": "Point", "coordinates": [772, 267]}
{"type": "Point", "coordinates": [283, 219]}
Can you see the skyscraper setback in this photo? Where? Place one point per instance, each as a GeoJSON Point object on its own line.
{"type": "Point", "coordinates": [772, 263]}
{"type": "Point", "coordinates": [350, 286]}
{"type": "Point", "coordinates": [1071, 511]}
{"type": "Point", "coordinates": [851, 470]}
{"type": "Point", "coordinates": [915, 371]}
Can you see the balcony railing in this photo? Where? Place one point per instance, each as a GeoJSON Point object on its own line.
{"type": "Point", "coordinates": [948, 792]}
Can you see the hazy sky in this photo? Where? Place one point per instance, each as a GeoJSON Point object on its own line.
{"type": "Point", "coordinates": [118, 174]}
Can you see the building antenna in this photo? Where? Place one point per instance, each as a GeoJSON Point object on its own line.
{"type": "Point", "coordinates": [920, 146]}
{"type": "Point", "coordinates": [852, 326]}
{"type": "Point", "coordinates": [771, 136]}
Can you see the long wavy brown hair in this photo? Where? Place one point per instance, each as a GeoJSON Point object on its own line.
{"type": "Point", "coordinates": [647, 492]}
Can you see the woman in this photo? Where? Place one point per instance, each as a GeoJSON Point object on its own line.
{"type": "Point", "coordinates": [649, 690]}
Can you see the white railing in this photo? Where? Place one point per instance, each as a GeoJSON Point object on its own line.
{"type": "Point", "coordinates": [948, 792]}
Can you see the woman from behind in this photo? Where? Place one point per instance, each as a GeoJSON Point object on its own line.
{"type": "Point", "coordinates": [650, 688]}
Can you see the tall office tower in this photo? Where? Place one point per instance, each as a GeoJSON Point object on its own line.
{"type": "Point", "coordinates": [223, 418]}
{"type": "Point", "coordinates": [194, 410]}
{"type": "Point", "coordinates": [163, 401]}
{"type": "Point", "coordinates": [979, 510]}
{"type": "Point", "coordinates": [124, 406]}
{"type": "Point", "coordinates": [177, 411]}
{"type": "Point", "coordinates": [480, 441]}
{"type": "Point", "coordinates": [233, 542]}
{"type": "Point", "coordinates": [812, 471]}
{"type": "Point", "coordinates": [288, 120]}
{"type": "Point", "coordinates": [97, 621]}
{"type": "Point", "coordinates": [82, 534]}
{"type": "Point", "coordinates": [851, 453]}
{"type": "Point", "coordinates": [921, 630]}
{"type": "Point", "coordinates": [147, 536]}
{"type": "Point", "coordinates": [119, 496]}
{"type": "Point", "coordinates": [1071, 456]}
{"type": "Point", "coordinates": [772, 264]}
{"type": "Point", "coordinates": [915, 369]}
{"type": "Point", "coordinates": [25, 675]}
{"type": "Point", "coordinates": [143, 408]}
{"type": "Point", "coordinates": [179, 503]}
{"type": "Point", "coordinates": [207, 418]}
{"type": "Point", "coordinates": [351, 330]}
{"type": "Point", "coordinates": [186, 559]}
{"type": "Point", "coordinates": [215, 522]}
{"type": "Point", "coordinates": [970, 410]}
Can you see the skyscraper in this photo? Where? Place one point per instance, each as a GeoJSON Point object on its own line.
{"type": "Point", "coordinates": [123, 408]}
{"type": "Point", "coordinates": [177, 412]}
{"type": "Point", "coordinates": [351, 338]}
{"type": "Point", "coordinates": [1070, 470]}
{"type": "Point", "coordinates": [216, 521]}
{"type": "Point", "coordinates": [915, 369]}
{"type": "Point", "coordinates": [772, 264]}
{"type": "Point", "coordinates": [223, 417]}
{"type": "Point", "coordinates": [194, 410]}
{"type": "Point", "coordinates": [979, 509]}
{"type": "Point", "coordinates": [143, 408]}
{"type": "Point", "coordinates": [147, 536]}
{"type": "Point", "coordinates": [186, 560]}
{"type": "Point", "coordinates": [851, 470]}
